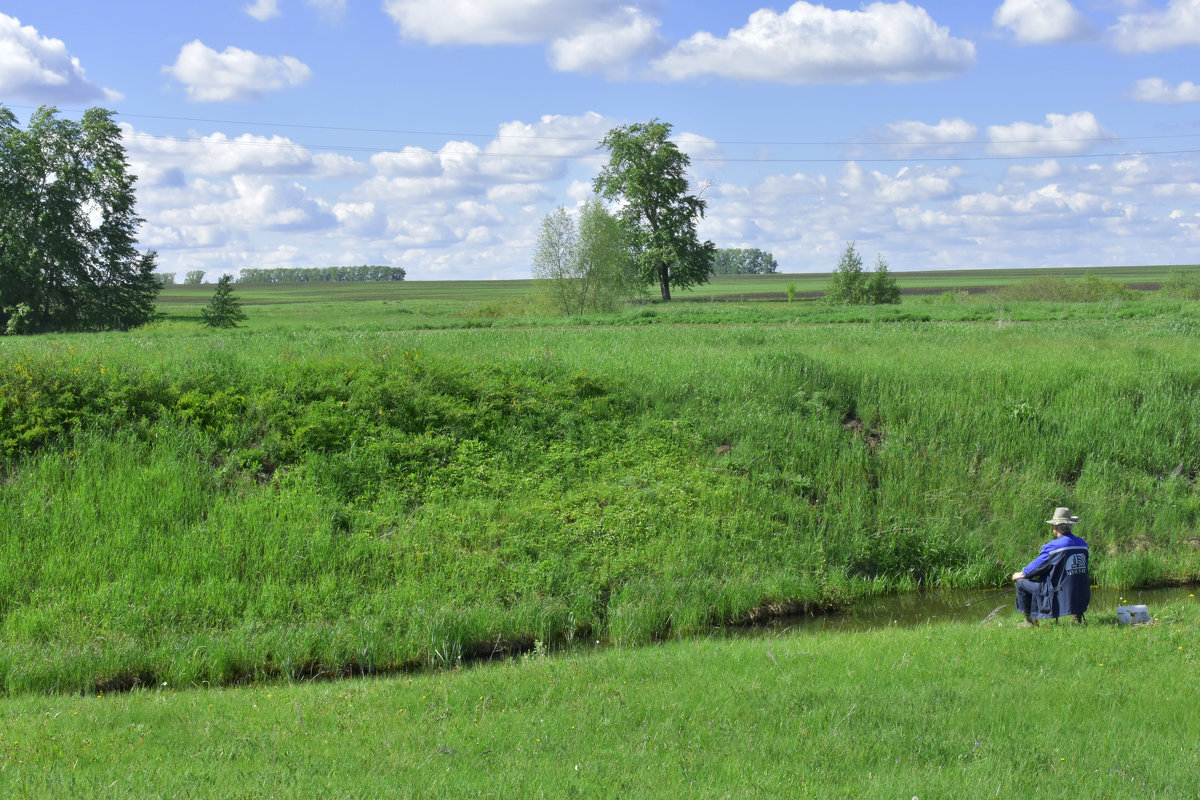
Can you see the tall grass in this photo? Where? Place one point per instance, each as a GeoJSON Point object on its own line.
{"type": "Point", "coordinates": [261, 504]}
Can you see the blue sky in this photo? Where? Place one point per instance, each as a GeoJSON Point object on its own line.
{"type": "Point", "coordinates": [437, 134]}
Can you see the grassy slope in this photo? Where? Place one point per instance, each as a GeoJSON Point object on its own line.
{"type": "Point", "coordinates": [929, 712]}
{"type": "Point", "coordinates": [323, 492]}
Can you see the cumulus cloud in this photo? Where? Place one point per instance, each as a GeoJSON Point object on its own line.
{"type": "Point", "coordinates": [946, 131]}
{"type": "Point", "coordinates": [1154, 31]}
{"type": "Point", "coordinates": [1157, 90]}
{"type": "Point", "coordinates": [519, 194]}
{"type": "Point", "coordinates": [908, 185]}
{"type": "Point", "coordinates": [591, 36]}
{"type": "Point", "coordinates": [1063, 134]}
{"type": "Point", "coordinates": [218, 154]}
{"type": "Point", "coordinates": [234, 74]}
{"type": "Point", "coordinates": [258, 203]}
{"type": "Point", "coordinates": [496, 21]}
{"type": "Point", "coordinates": [41, 69]}
{"type": "Point", "coordinates": [895, 42]}
{"type": "Point", "coordinates": [1042, 21]}
{"type": "Point", "coordinates": [1044, 171]}
{"type": "Point", "coordinates": [607, 45]}
{"type": "Point", "coordinates": [263, 10]}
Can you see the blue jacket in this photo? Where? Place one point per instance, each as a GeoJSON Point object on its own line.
{"type": "Point", "coordinates": [1062, 571]}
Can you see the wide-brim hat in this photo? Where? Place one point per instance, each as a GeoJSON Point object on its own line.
{"type": "Point", "coordinates": [1062, 516]}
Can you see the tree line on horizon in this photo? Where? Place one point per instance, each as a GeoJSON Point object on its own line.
{"type": "Point", "coordinates": [365, 272]}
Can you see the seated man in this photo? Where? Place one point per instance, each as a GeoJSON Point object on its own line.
{"type": "Point", "coordinates": [1056, 583]}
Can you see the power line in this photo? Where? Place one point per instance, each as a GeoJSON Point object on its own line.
{"type": "Point", "coordinates": [764, 142]}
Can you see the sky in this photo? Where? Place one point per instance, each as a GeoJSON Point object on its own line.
{"type": "Point", "coordinates": [436, 135]}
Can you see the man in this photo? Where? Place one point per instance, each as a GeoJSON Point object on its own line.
{"type": "Point", "coordinates": [1056, 583]}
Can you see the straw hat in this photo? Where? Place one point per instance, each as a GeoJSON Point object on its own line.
{"type": "Point", "coordinates": [1062, 516]}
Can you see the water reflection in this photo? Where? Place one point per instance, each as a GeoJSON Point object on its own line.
{"type": "Point", "coordinates": [960, 605]}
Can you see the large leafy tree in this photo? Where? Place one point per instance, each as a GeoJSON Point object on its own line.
{"type": "Point", "coordinates": [68, 255]}
{"type": "Point", "coordinates": [646, 174]}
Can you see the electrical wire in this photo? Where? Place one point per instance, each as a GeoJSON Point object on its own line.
{"type": "Point", "coordinates": [764, 142]}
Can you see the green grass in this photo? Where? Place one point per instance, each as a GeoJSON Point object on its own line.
{"type": "Point", "coordinates": [271, 502]}
{"type": "Point", "coordinates": [948, 710]}
{"type": "Point", "coordinates": [360, 482]}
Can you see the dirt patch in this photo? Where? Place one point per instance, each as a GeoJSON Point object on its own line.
{"type": "Point", "coordinates": [872, 437]}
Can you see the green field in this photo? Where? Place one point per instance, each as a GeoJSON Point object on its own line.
{"type": "Point", "coordinates": [180, 297]}
{"type": "Point", "coordinates": [382, 478]}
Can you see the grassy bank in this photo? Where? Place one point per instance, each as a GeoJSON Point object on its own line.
{"type": "Point", "coordinates": [934, 711]}
{"type": "Point", "coordinates": [337, 498]}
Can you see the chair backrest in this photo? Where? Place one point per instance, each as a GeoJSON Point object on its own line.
{"type": "Point", "coordinates": [1070, 580]}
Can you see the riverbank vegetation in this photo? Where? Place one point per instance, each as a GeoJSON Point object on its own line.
{"type": "Point", "coordinates": [355, 487]}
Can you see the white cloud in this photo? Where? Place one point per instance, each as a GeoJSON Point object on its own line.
{"type": "Point", "coordinates": [1154, 31]}
{"type": "Point", "coordinates": [258, 203]}
{"type": "Point", "coordinates": [496, 21]}
{"type": "Point", "coordinates": [908, 185]}
{"type": "Point", "coordinates": [263, 10]}
{"type": "Point", "coordinates": [591, 36]}
{"type": "Point", "coordinates": [1048, 201]}
{"type": "Point", "coordinates": [361, 219]}
{"type": "Point", "coordinates": [218, 154]}
{"type": "Point", "coordinates": [234, 74]}
{"type": "Point", "coordinates": [412, 162]}
{"type": "Point", "coordinates": [607, 45]}
{"type": "Point", "coordinates": [519, 194]}
{"type": "Point", "coordinates": [695, 146]}
{"type": "Point", "coordinates": [1156, 90]}
{"type": "Point", "coordinates": [1042, 21]}
{"type": "Point", "coordinates": [40, 68]}
{"type": "Point", "coordinates": [945, 131]}
{"type": "Point", "coordinates": [1063, 134]}
{"type": "Point", "coordinates": [808, 43]}
{"type": "Point", "coordinates": [1044, 171]}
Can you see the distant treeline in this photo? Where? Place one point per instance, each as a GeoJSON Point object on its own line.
{"type": "Point", "coordinates": [321, 274]}
{"type": "Point", "coordinates": [744, 261]}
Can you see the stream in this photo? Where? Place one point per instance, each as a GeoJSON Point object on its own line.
{"type": "Point", "coordinates": [965, 605]}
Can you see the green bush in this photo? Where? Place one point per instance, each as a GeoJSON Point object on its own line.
{"type": "Point", "coordinates": [1182, 285]}
{"type": "Point", "coordinates": [1089, 289]}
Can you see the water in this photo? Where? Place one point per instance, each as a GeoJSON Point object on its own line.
{"type": "Point", "coordinates": [961, 605]}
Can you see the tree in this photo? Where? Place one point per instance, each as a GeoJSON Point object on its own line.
{"type": "Point", "coordinates": [223, 311]}
{"type": "Point", "coordinates": [68, 256]}
{"type": "Point", "coordinates": [848, 283]}
{"type": "Point", "coordinates": [555, 258]}
{"type": "Point", "coordinates": [585, 267]}
{"type": "Point", "coordinates": [882, 288]}
{"type": "Point", "coordinates": [194, 277]}
{"type": "Point", "coordinates": [646, 173]}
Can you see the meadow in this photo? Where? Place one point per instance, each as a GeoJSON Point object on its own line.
{"type": "Point", "coordinates": [933, 711]}
{"type": "Point", "coordinates": [366, 481]}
